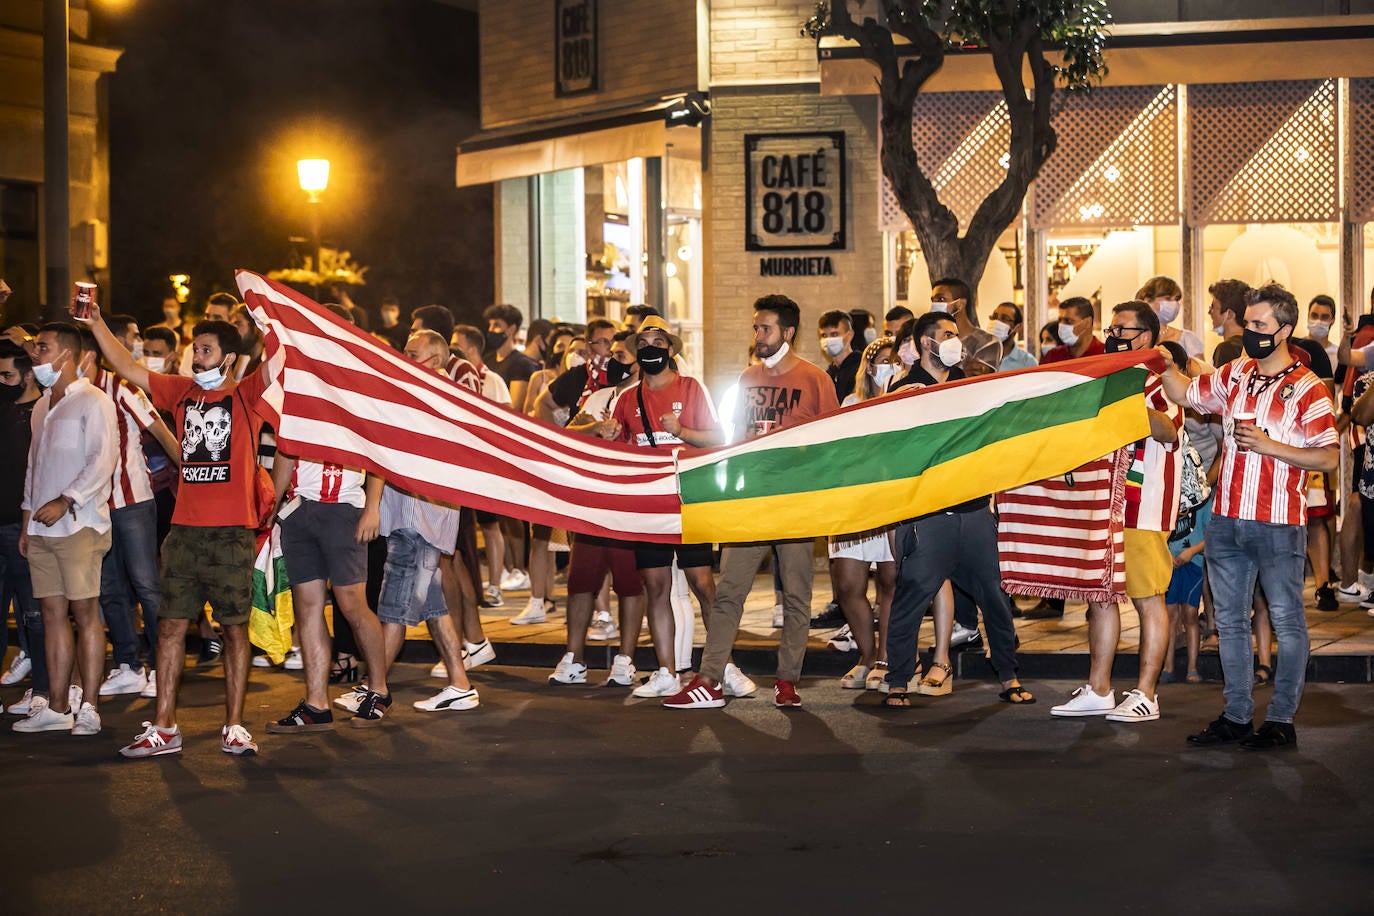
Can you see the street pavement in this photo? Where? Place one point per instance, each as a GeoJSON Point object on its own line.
{"type": "Point", "coordinates": [584, 800]}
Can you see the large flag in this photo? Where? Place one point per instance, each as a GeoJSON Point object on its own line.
{"type": "Point", "coordinates": [339, 395]}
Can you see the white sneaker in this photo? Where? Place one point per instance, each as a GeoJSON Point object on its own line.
{"type": "Point", "coordinates": [477, 654]}
{"type": "Point", "coordinates": [450, 699]}
{"type": "Point", "coordinates": [18, 670]}
{"type": "Point", "coordinates": [533, 613]}
{"type": "Point", "coordinates": [1365, 579]}
{"type": "Point", "coordinates": [736, 683]}
{"type": "Point", "coordinates": [963, 636]}
{"type": "Point", "coordinates": [354, 698]}
{"type": "Point", "coordinates": [262, 661]}
{"type": "Point", "coordinates": [603, 628]}
{"type": "Point", "coordinates": [43, 719]}
{"type": "Point", "coordinates": [777, 616]}
{"type": "Point", "coordinates": [516, 580]}
{"type": "Point", "coordinates": [123, 680]}
{"type": "Point", "coordinates": [25, 704]}
{"type": "Point", "coordinates": [236, 741]}
{"type": "Point", "coordinates": [843, 640]}
{"type": "Point", "coordinates": [294, 662]}
{"type": "Point", "coordinates": [75, 697]}
{"type": "Point", "coordinates": [149, 690]}
{"type": "Point", "coordinates": [1135, 706]}
{"type": "Point", "coordinates": [568, 671]}
{"type": "Point", "coordinates": [622, 672]}
{"type": "Point", "coordinates": [491, 597]}
{"type": "Point", "coordinates": [439, 670]}
{"type": "Point", "coordinates": [1352, 594]}
{"type": "Point", "coordinates": [86, 721]}
{"type": "Point", "coordinates": [662, 683]}
{"type": "Point", "coordinates": [1084, 702]}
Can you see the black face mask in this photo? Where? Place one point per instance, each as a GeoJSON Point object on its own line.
{"type": "Point", "coordinates": [1117, 344]}
{"type": "Point", "coordinates": [1257, 345]}
{"type": "Point", "coordinates": [495, 340]}
{"type": "Point", "coordinates": [652, 360]}
{"type": "Point", "coordinates": [9, 394]}
{"type": "Point", "coordinates": [617, 372]}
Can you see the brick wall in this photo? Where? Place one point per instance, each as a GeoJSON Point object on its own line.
{"type": "Point", "coordinates": [647, 49]}
{"type": "Point", "coordinates": [758, 41]}
{"type": "Point", "coordinates": [734, 281]}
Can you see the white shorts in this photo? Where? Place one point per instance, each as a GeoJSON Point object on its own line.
{"type": "Point", "coordinates": [875, 548]}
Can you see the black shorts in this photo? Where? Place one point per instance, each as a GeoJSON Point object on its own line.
{"type": "Point", "coordinates": [657, 556]}
{"type": "Point", "coordinates": [487, 518]}
{"type": "Point", "coordinates": [319, 542]}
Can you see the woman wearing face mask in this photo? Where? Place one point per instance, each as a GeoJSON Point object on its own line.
{"type": "Point", "coordinates": [1048, 337]}
{"type": "Point", "coordinates": [1166, 298]}
{"type": "Point", "coordinates": [851, 554]}
{"type": "Point", "coordinates": [555, 349]}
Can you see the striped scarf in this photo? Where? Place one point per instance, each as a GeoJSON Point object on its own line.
{"type": "Point", "coordinates": [1065, 537]}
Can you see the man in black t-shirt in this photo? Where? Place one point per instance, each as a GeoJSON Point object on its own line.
{"type": "Point", "coordinates": [837, 345]}
{"type": "Point", "coordinates": [503, 357]}
{"type": "Point", "coordinates": [391, 330]}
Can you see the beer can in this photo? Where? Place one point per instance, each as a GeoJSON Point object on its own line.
{"type": "Point", "coordinates": [83, 299]}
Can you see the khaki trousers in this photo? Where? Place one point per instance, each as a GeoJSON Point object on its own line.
{"type": "Point", "coordinates": [739, 563]}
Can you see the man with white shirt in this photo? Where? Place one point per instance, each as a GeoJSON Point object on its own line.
{"type": "Point", "coordinates": [1005, 325]}
{"type": "Point", "coordinates": [66, 527]}
{"type": "Point", "coordinates": [1321, 318]}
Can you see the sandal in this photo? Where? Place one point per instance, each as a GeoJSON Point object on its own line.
{"type": "Point", "coordinates": [1166, 677]}
{"type": "Point", "coordinates": [877, 676]}
{"type": "Point", "coordinates": [1264, 676]}
{"type": "Point", "coordinates": [897, 698]}
{"type": "Point", "coordinates": [856, 679]}
{"type": "Point", "coordinates": [1016, 696]}
{"type": "Point", "coordinates": [928, 687]}
{"type": "Point", "coordinates": [345, 670]}
{"type": "Point", "coordinates": [1194, 677]}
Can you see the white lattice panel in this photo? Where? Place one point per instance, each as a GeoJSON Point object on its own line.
{"type": "Point", "coordinates": [1263, 152]}
{"type": "Point", "coordinates": [1360, 151]}
{"type": "Point", "coordinates": [1116, 164]}
{"type": "Point", "coordinates": [959, 138]}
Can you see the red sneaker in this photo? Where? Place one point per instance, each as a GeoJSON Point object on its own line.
{"type": "Point", "coordinates": [785, 694]}
{"type": "Point", "coordinates": [699, 694]}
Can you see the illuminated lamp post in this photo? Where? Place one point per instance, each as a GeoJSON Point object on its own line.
{"type": "Point", "coordinates": [314, 177]}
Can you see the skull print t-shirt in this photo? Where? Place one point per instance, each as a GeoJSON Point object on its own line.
{"type": "Point", "coordinates": [219, 447]}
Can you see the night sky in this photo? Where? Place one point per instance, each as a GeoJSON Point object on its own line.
{"type": "Point", "coordinates": [214, 102]}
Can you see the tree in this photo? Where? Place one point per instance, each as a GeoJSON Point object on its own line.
{"type": "Point", "coordinates": [1018, 34]}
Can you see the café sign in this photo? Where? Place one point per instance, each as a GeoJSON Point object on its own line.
{"type": "Point", "coordinates": [794, 199]}
{"type": "Point", "coordinates": [575, 47]}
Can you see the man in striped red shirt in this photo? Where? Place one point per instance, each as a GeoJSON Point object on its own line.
{"type": "Point", "coordinates": [130, 569]}
{"type": "Point", "coordinates": [1278, 422]}
{"type": "Point", "coordinates": [1153, 481]}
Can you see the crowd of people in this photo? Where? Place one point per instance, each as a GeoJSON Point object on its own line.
{"type": "Point", "coordinates": [138, 470]}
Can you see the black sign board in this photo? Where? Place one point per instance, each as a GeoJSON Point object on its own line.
{"type": "Point", "coordinates": [575, 47]}
{"type": "Point", "coordinates": [794, 187]}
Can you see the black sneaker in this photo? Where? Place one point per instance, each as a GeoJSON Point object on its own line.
{"type": "Point", "coordinates": [304, 718]}
{"type": "Point", "coordinates": [371, 711]}
{"type": "Point", "coordinates": [1222, 731]}
{"type": "Point", "coordinates": [210, 651]}
{"type": "Point", "coordinates": [1043, 610]}
{"type": "Point", "coordinates": [1326, 599]}
{"type": "Point", "coordinates": [1271, 737]}
{"type": "Point", "coordinates": [829, 618]}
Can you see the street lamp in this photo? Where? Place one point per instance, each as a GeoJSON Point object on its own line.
{"type": "Point", "coordinates": [314, 177]}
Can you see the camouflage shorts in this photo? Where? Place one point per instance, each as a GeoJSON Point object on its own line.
{"type": "Point", "coordinates": [208, 565]}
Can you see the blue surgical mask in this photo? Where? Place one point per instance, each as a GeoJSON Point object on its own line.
{"type": "Point", "coordinates": [210, 379]}
{"type": "Point", "coordinates": [46, 375]}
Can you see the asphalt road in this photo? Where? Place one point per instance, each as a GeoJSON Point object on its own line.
{"type": "Point", "coordinates": [581, 800]}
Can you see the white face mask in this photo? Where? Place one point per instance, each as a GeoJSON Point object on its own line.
{"type": "Point", "coordinates": [1167, 309]}
{"type": "Point", "coordinates": [941, 307]}
{"type": "Point", "coordinates": [576, 359]}
{"type": "Point", "coordinates": [154, 363]}
{"type": "Point", "coordinates": [776, 358]}
{"type": "Point", "coordinates": [1319, 328]}
{"type": "Point", "coordinates": [137, 351]}
{"type": "Point", "coordinates": [999, 329]}
{"type": "Point", "coordinates": [870, 335]}
{"type": "Point", "coordinates": [210, 379]}
{"type": "Point", "coordinates": [833, 346]}
{"type": "Point", "coordinates": [907, 353]}
{"type": "Point", "coordinates": [1219, 330]}
{"type": "Point", "coordinates": [1067, 335]}
{"type": "Point", "coordinates": [46, 375]}
{"type": "Point", "coordinates": [882, 374]}
{"type": "Point", "coordinates": [951, 351]}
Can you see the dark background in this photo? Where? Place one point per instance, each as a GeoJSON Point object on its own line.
{"type": "Point", "coordinates": [214, 102]}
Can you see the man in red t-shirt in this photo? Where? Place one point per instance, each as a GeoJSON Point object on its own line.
{"type": "Point", "coordinates": [666, 410]}
{"type": "Point", "coordinates": [781, 391]}
{"type": "Point", "coordinates": [1278, 420]}
{"type": "Point", "coordinates": [209, 553]}
{"type": "Point", "coordinates": [1076, 319]}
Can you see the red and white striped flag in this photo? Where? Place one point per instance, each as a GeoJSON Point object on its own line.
{"type": "Point", "coordinates": [339, 395]}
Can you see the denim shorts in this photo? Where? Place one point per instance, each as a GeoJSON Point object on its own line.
{"type": "Point", "coordinates": [412, 588]}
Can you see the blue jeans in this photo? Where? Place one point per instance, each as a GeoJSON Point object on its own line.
{"type": "Point", "coordinates": [16, 586]}
{"type": "Point", "coordinates": [128, 574]}
{"type": "Point", "coordinates": [1238, 553]}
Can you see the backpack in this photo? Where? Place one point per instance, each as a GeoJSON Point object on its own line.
{"type": "Point", "coordinates": [1193, 492]}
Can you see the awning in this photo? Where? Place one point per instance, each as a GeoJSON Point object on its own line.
{"type": "Point", "coordinates": [533, 149]}
{"type": "Point", "coordinates": [1152, 54]}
